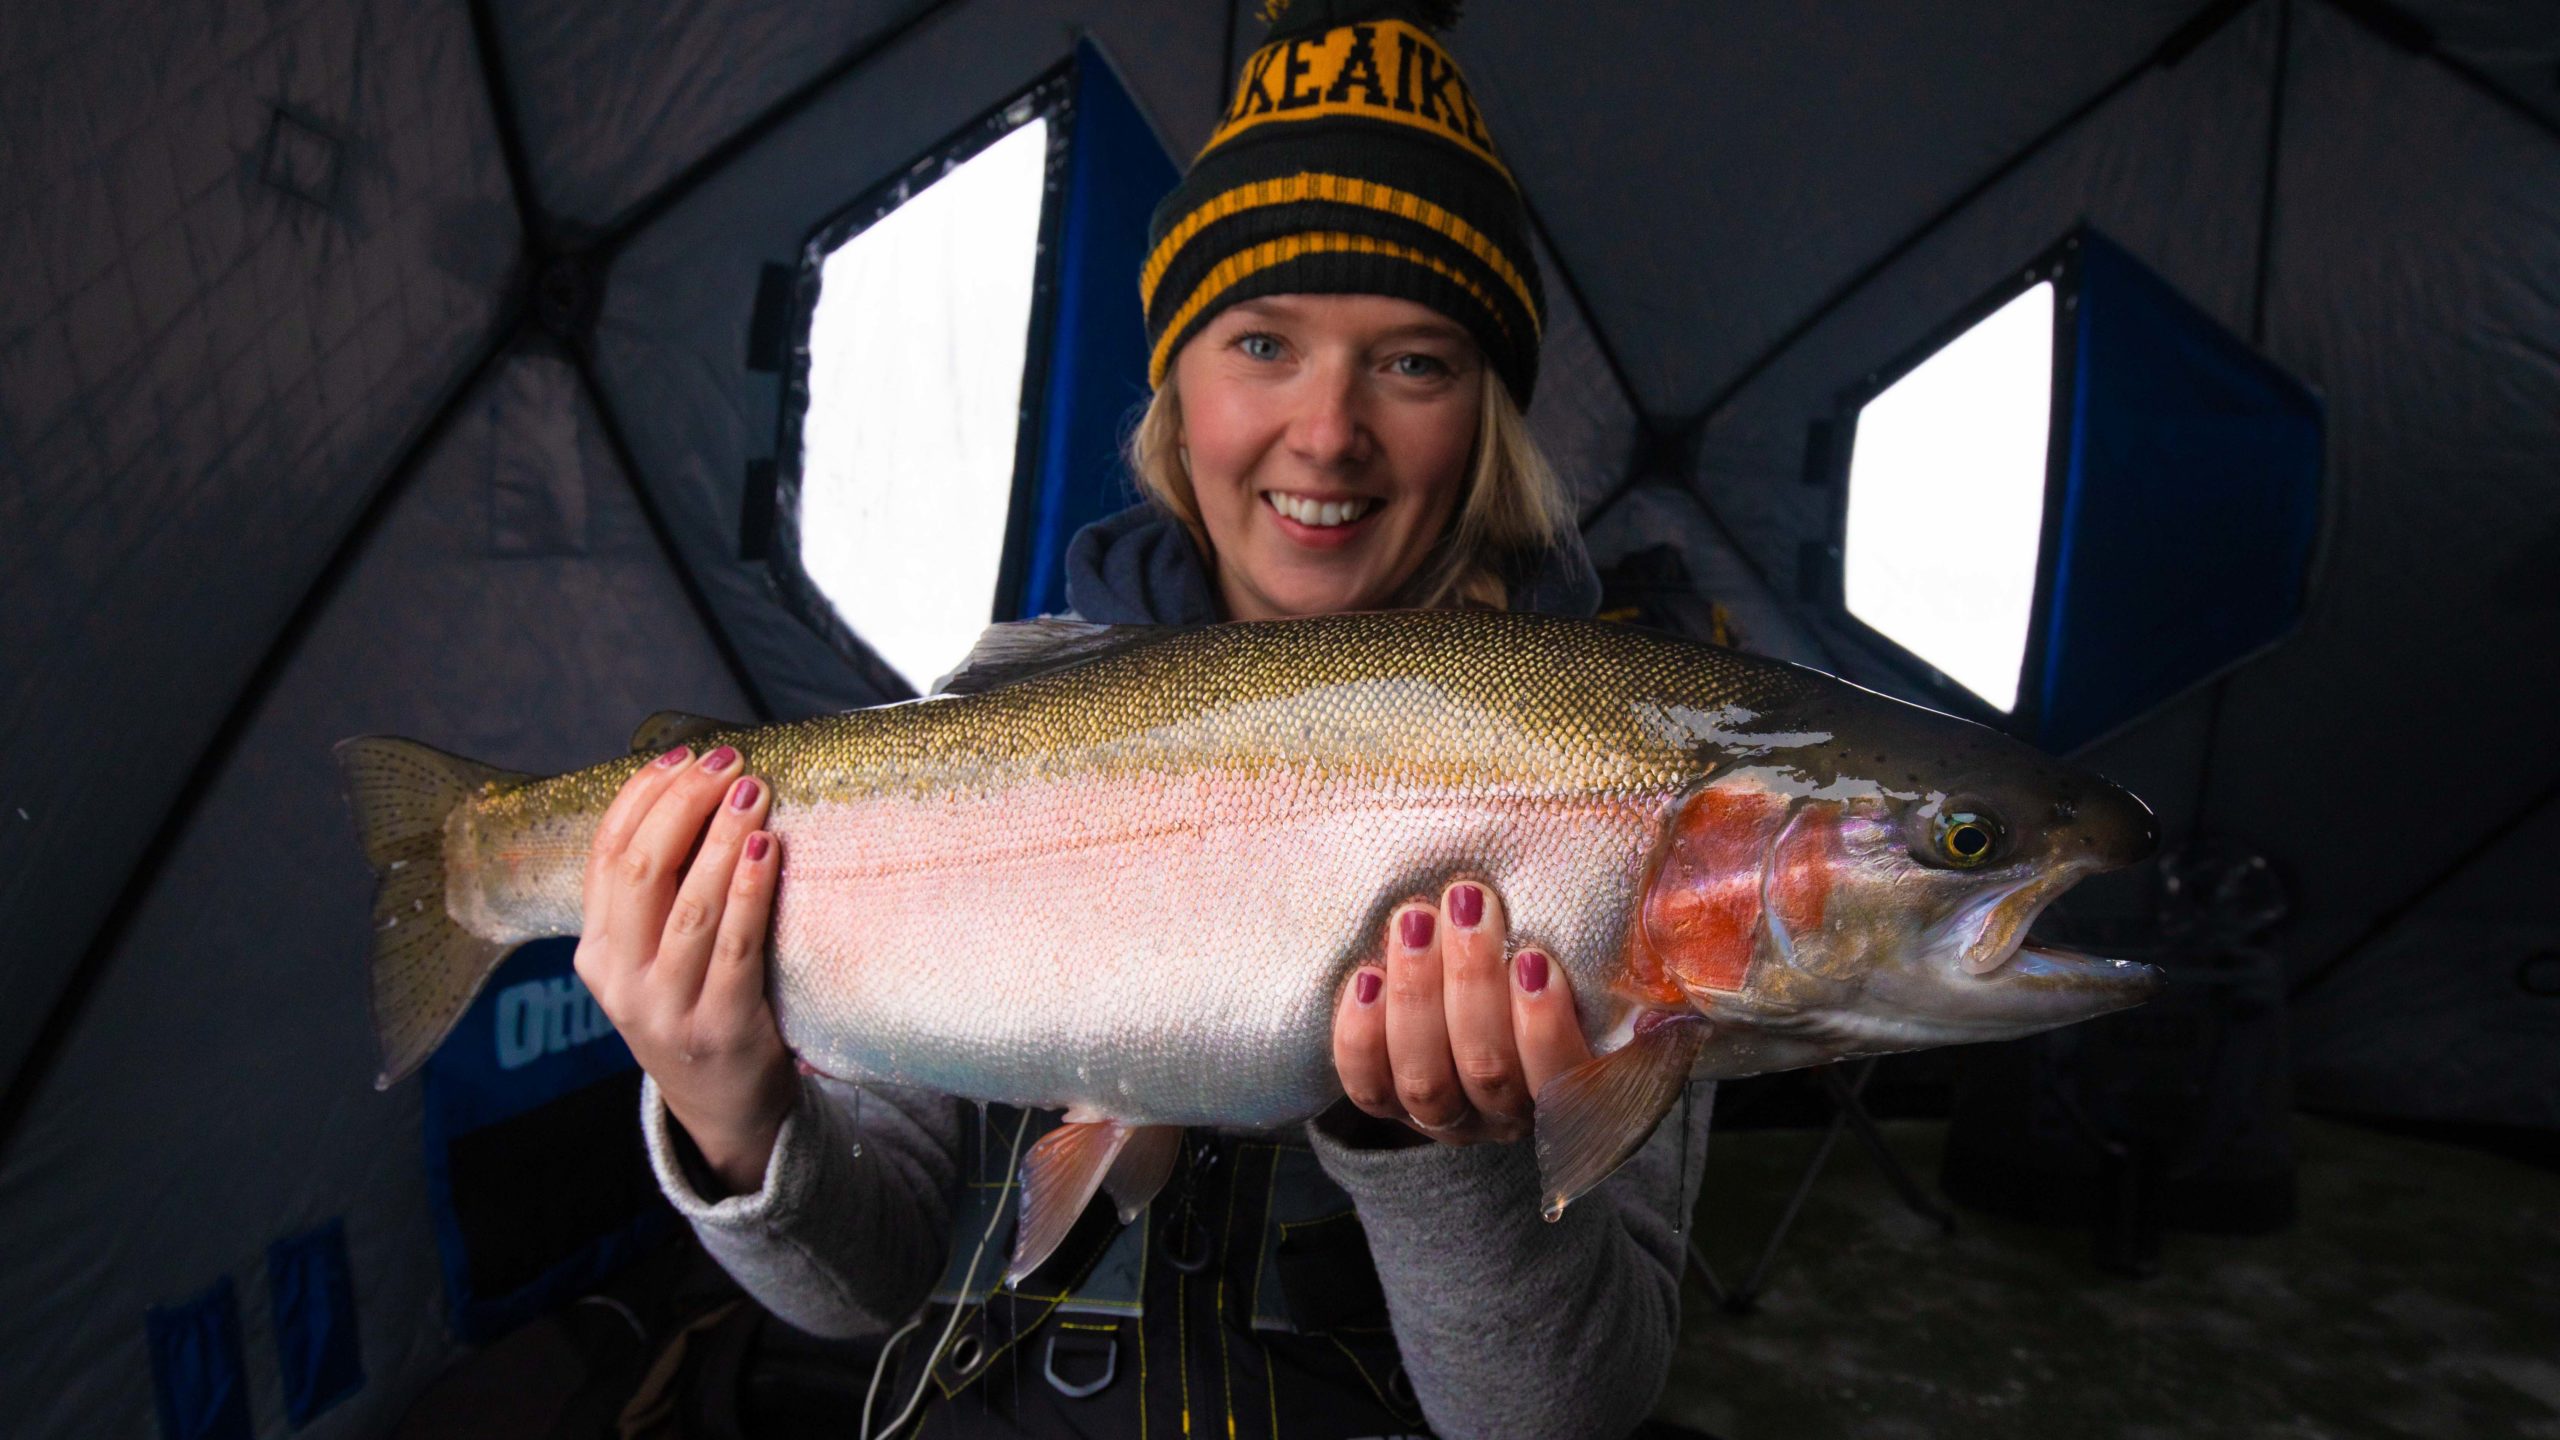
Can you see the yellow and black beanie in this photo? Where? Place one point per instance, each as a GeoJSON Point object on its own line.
{"type": "Point", "coordinates": [1352, 161]}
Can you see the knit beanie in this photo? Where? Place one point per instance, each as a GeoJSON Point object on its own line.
{"type": "Point", "coordinates": [1352, 161]}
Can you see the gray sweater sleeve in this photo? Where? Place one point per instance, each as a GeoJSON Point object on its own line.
{"type": "Point", "coordinates": [834, 1243]}
{"type": "Point", "coordinates": [1510, 1326]}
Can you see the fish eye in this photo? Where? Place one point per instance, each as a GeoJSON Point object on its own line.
{"type": "Point", "coordinates": [1967, 838]}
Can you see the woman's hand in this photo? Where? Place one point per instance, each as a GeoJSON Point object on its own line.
{"type": "Point", "coordinates": [675, 953]}
{"type": "Point", "coordinates": [1446, 1037]}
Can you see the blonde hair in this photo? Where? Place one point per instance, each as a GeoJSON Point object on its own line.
{"type": "Point", "coordinates": [1513, 505]}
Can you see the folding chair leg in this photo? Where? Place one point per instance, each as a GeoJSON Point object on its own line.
{"type": "Point", "coordinates": [1845, 1095]}
{"type": "Point", "coordinates": [1742, 1300]}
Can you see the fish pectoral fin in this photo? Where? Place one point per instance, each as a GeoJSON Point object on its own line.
{"type": "Point", "coordinates": [670, 728]}
{"type": "Point", "coordinates": [1020, 649]}
{"type": "Point", "coordinates": [1595, 1115]}
{"type": "Point", "coordinates": [1059, 1177]}
{"type": "Point", "coordinates": [1145, 1163]}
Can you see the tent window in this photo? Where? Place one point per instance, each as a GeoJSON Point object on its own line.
{"type": "Point", "coordinates": [910, 399]}
{"type": "Point", "coordinates": [1946, 500]}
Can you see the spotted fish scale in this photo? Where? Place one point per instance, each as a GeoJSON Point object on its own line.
{"type": "Point", "coordinates": [1131, 883]}
{"type": "Point", "coordinates": [1135, 885]}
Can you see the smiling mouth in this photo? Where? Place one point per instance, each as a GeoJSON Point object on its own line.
{"type": "Point", "coordinates": [1320, 514]}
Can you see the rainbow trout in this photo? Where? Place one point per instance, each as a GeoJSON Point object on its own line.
{"type": "Point", "coordinates": [1125, 872]}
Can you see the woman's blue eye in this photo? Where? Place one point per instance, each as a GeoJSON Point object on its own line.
{"type": "Point", "coordinates": [1420, 367]}
{"type": "Point", "coordinates": [1258, 346]}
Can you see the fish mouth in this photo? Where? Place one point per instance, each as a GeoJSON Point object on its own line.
{"type": "Point", "coordinates": [1997, 948]}
{"type": "Point", "coordinates": [1991, 930]}
{"type": "Point", "coordinates": [1997, 940]}
{"type": "Point", "coordinates": [2130, 982]}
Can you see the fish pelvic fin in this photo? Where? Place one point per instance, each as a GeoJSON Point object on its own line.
{"type": "Point", "coordinates": [1059, 1177]}
{"type": "Point", "coordinates": [1145, 1163]}
{"type": "Point", "coordinates": [1595, 1115]}
{"type": "Point", "coordinates": [426, 967]}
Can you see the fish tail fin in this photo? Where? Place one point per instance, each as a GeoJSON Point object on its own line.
{"type": "Point", "coordinates": [426, 967]}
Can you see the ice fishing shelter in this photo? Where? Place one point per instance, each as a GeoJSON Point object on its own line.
{"type": "Point", "coordinates": [405, 366]}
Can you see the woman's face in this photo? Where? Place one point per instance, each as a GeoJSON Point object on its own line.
{"type": "Point", "coordinates": [1329, 438]}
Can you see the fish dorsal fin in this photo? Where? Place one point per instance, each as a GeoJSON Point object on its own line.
{"type": "Point", "coordinates": [1595, 1115]}
{"type": "Point", "coordinates": [670, 728]}
{"type": "Point", "coordinates": [1020, 649]}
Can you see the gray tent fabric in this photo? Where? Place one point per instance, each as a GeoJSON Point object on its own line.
{"type": "Point", "coordinates": [674, 327]}
{"type": "Point", "coordinates": [248, 248]}
{"type": "Point", "coordinates": [2452, 967]}
{"type": "Point", "coordinates": [1877, 106]}
{"type": "Point", "coordinates": [289, 455]}
{"type": "Point", "coordinates": [2409, 243]}
{"type": "Point", "coordinates": [2179, 143]}
{"type": "Point", "coordinates": [218, 1092]}
{"type": "Point", "coordinates": [614, 98]}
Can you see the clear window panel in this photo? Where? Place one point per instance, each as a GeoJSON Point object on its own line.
{"type": "Point", "coordinates": [916, 354]}
{"type": "Point", "coordinates": [1946, 500]}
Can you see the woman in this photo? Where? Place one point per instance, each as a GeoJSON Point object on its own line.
{"type": "Point", "coordinates": [1345, 315]}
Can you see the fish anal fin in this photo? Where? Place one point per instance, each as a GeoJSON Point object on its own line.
{"type": "Point", "coordinates": [1595, 1115]}
{"type": "Point", "coordinates": [1059, 1177]}
{"type": "Point", "coordinates": [1145, 1163]}
{"type": "Point", "coordinates": [670, 728]}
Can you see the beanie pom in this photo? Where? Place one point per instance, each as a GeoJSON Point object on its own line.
{"type": "Point", "coordinates": [1293, 19]}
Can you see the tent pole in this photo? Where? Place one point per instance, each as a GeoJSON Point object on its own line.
{"type": "Point", "coordinates": [2397, 27]}
{"type": "Point", "coordinates": [2390, 919]}
{"type": "Point", "coordinates": [2258, 283]}
{"type": "Point", "coordinates": [2194, 32]}
{"type": "Point", "coordinates": [63, 1016]}
{"type": "Point", "coordinates": [684, 182]}
{"type": "Point", "coordinates": [617, 440]}
{"type": "Point", "coordinates": [538, 227]}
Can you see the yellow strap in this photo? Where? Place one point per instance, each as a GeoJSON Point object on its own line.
{"type": "Point", "coordinates": [1245, 263]}
{"type": "Point", "coordinates": [1339, 190]}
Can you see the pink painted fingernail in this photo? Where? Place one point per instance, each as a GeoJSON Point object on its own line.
{"type": "Point", "coordinates": [720, 759]}
{"type": "Point", "coordinates": [1466, 906]}
{"type": "Point", "coordinates": [1415, 927]}
{"type": "Point", "coordinates": [1365, 989]}
{"type": "Point", "coordinates": [760, 844]}
{"type": "Point", "coordinates": [742, 796]}
{"type": "Point", "coordinates": [675, 757]}
{"type": "Point", "coordinates": [1533, 971]}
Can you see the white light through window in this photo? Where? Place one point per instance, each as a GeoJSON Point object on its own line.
{"type": "Point", "coordinates": [915, 386]}
{"type": "Point", "coordinates": [1946, 500]}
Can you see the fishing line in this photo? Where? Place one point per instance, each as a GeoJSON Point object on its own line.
{"type": "Point", "coordinates": [880, 1368]}
{"type": "Point", "coordinates": [1680, 1177]}
{"type": "Point", "coordinates": [968, 1279]}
